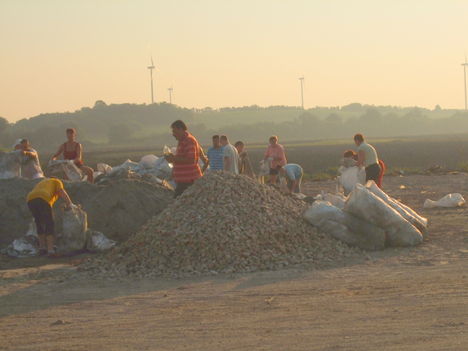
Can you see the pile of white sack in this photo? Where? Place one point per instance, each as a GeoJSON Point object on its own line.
{"type": "Point", "coordinates": [367, 218]}
{"type": "Point", "coordinates": [73, 236]}
{"type": "Point", "coordinates": [149, 165]}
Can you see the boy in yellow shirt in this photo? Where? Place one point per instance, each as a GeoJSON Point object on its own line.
{"type": "Point", "coordinates": [40, 202]}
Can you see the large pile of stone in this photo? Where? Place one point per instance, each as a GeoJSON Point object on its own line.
{"type": "Point", "coordinates": [117, 209]}
{"type": "Point", "coordinates": [223, 223]}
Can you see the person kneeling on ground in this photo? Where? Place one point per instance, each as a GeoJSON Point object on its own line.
{"type": "Point", "coordinates": [72, 150]}
{"type": "Point", "coordinates": [40, 202]}
{"type": "Point", "coordinates": [293, 174]}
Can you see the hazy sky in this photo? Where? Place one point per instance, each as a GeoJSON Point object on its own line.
{"type": "Point", "coordinates": [60, 55]}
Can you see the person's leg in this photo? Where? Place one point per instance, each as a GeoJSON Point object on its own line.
{"type": "Point", "coordinates": [89, 173]}
{"type": "Point", "coordinates": [298, 187]}
{"type": "Point", "coordinates": [273, 176]}
{"type": "Point", "coordinates": [180, 188]}
{"type": "Point", "coordinates": [49, 228]}
{"type": "Point", "coordinates": [372, 172]}
{"type": "Point", "coordinates": [34, 208]}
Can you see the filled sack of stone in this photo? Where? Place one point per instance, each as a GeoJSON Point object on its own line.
{"type": "Point", "coordinates": [405, 211]}
{"type": "Point", "coordinates": [369, 207]}
{"type": "Point", "coordinates": [67, 167]}
{"type": "Point", "coordinates": [344, 226]}
{"type": "Point", "coordinates": [73, 236]}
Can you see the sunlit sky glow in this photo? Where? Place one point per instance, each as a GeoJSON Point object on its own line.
{"type": "Point", "coordinates": [60, 55]}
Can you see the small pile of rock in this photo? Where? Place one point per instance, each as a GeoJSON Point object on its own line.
{"type": "Point", "coordinates": [223, 223]}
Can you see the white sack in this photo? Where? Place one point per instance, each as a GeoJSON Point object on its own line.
{"type": "Point", "coordinates": [68, 167]}
{"type": "Point", "coordinates": [148, 161]}
{"type": "Point", "coordinates": [337, 200]}
{"type": "Point", "coordinates": [370, 208]}
{"type": "Point", "coordinates": [350, 176]}
{"type": "Point", "coordinates": [450, 200]}
{"type": "Point", "coordinates": [406, 212]}
{"type": "Point", "coordinates": [98, 242]}
{"type": "Point", "coordinates": [73, 235]}
{"type": "Point", "coordinates": [10, 164]}
{"type": "Point", "coordinates": [344, 226]}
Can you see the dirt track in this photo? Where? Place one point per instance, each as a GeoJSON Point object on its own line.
{"type": "Point", "coordinates": [405, 299]}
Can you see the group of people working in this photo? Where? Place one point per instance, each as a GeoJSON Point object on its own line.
{"type": "Point", "coordinates": [223, 156]}
{"type": "Point", "coordinates": [70, 150]}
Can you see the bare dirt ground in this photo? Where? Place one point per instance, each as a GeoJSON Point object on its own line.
{"type": "Point", "coordinates": [398, 299]}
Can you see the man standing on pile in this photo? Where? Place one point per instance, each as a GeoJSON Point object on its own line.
{"type": "Point", "coordinates": [231, 156]}
{"type": "Point", "coordinates": [215, 155]}
{"type": "Point", "coordinates": [367, 157]}
{"type": "Point", "coordinates": [186, 169]}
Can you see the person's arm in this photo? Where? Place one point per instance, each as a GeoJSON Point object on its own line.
{"type": "Point", "coordinates": [186, 157]}
{"type": "Point", "coordinates": [58, 153]}
{"type": "Point", "coordinates": [204, 159]}
{"type": "Point", "coordinates": [226, 163]}
{"type": "Point", "coordinates": [64, 195]}
{"type": "Point", "coordinates": [79, 153]}
{"type": "Point", "coordinates": [30, 154]}
{"type": "Point", "coordinates": [361, 158]}
{"type": "Point", "coordinates": [267, 153]}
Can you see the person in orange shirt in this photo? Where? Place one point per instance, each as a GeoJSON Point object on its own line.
{"type": "Point", "coordinates": [40, 201]}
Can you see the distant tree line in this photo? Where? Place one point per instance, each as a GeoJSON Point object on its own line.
{"type": "Point", "coordinates": [148, 125]}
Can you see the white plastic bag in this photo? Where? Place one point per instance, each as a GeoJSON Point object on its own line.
{"type": "Point", "coordinates": [104, 168]}
{"type": "Point", "coordinates": [98, 242]}
{"type": "Point", "coordinates": [344, 226]}
{"type": "Point", "coordinates": [264, 168]}
{"type": "Point", "coordinates": [25, 246]}
{"type": "Point", "coordinates": [450, 200]}
{"type": "Point", "coordinates": [364, 204]}
{"type": "Point", "coordinates": [350, 176]}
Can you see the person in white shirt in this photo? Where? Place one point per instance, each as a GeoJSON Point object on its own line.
{"type": "Point", "coordinates": [30, 166]}
{"type": "Point", "coordinates": [230, 156]}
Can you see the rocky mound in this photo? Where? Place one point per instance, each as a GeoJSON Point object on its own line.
{"type": "Point", "coordinates": [223, 223]}
{"type": "Point", "coordinates": [117, 209]}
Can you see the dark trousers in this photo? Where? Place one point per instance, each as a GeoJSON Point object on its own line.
{"type": "Point", "coordinates": [373, 172]}
{"type": "Point", "coordinates": [43, 216]}
{"type": "Point", "coordinates": [180, 188]}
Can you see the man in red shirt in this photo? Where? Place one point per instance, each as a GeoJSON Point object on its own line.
{"type": "Point", "coordinates": [185, 161]}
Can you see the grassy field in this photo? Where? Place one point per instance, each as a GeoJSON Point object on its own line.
{"type": "Point", "coordinates": [321, 158]}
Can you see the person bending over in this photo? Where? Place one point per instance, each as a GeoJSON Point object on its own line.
{"type": "Point", "coordinates": [40, 201]}
{"type": "Point", "coordinates": [293, 174]}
